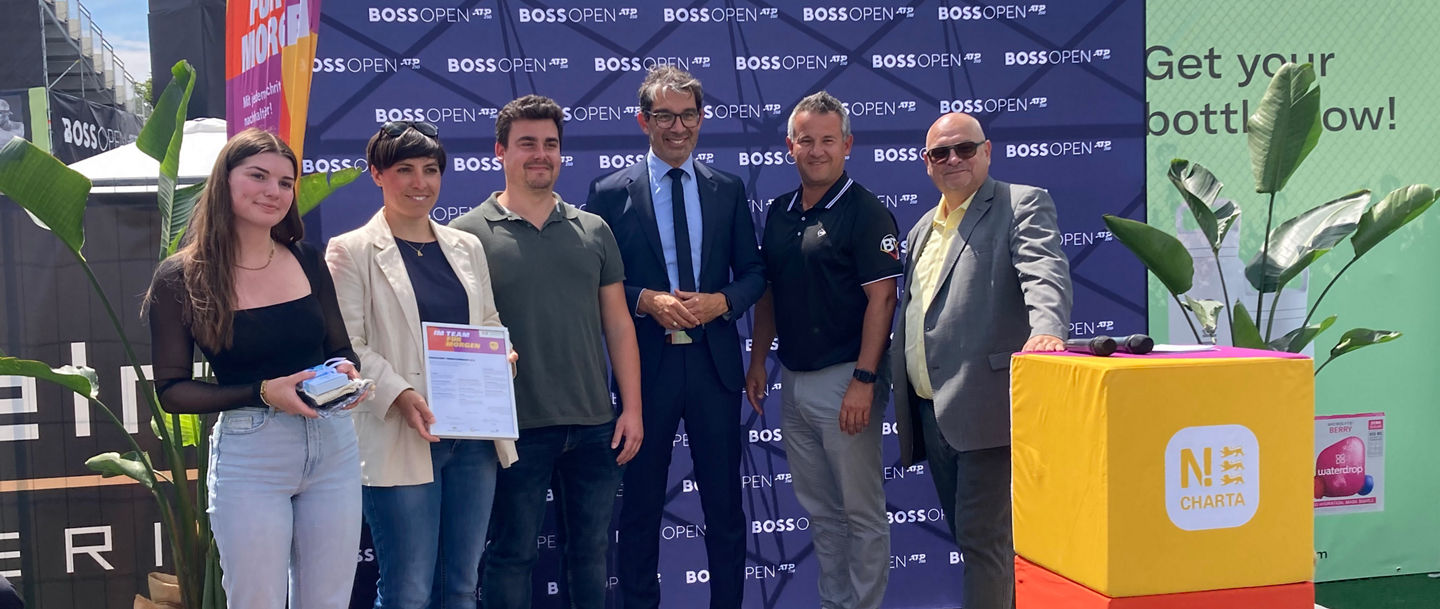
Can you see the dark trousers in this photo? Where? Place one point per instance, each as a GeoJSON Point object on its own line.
{"type": "Point", "coordinates": [974, 491]}
{"type": "Point", "coordinates": [578, 461]}
{"type": "Point", "coordinates": [687, 387]}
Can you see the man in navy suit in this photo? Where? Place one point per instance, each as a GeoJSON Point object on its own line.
{"type": "Point", "coordinates": [691, 270]}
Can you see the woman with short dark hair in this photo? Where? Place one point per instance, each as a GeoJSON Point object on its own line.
{"type": "Point", "coordinates": [427, 500]}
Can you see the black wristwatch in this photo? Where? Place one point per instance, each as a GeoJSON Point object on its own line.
{"type": "Point", "coordinates": [864, 376]}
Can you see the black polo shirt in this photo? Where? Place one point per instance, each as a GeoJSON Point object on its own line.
{"type": "Point", "coordinates": [817, 262]}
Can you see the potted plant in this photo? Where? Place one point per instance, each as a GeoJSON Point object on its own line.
{"type": "Point", "coordinates": [55, 197]}
{"type": "Point", "coordinates": [1282, 132]}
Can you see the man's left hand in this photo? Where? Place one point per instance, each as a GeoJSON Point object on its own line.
{"type": "Point", "coordinates": [705, 307]}
{"type": "Point", "coordinates": [855, 407]}
{"type": "Point", "coordinates": [1044, 342]}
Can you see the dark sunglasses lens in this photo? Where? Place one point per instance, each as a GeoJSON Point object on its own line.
{"type": "Point", "coordinates": [426, 129]}
{"type": "Point", "coordinates": [941, 154]}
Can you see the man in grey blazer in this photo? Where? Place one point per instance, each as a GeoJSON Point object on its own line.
{"type": "Point", "coordinates": [985, 278]}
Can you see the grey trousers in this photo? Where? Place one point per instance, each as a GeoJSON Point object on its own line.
{"type": "Point", "coordinates": [837, 478]}
{"type": "Point", "coordinates": [974, 491]}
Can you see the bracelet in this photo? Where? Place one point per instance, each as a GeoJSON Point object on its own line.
{"type": "Point", "coordinates": [262, 394]}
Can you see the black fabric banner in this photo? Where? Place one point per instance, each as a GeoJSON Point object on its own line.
{"type": "Point", "coordinates": [22, 32]}
{"type": "Point", "coordinates": [80, 129]}
{"type": "Point", "coordinates": [192, 30]}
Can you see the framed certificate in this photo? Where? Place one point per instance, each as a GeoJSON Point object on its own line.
{"type": "Point", "coordinates": [467, 371]}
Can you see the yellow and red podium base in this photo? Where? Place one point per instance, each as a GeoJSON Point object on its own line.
{"type": "Point", "coordinates": [1038, 588]}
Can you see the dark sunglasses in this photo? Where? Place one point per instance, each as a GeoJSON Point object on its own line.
{"type": "Point", "coordinates": [395, 128]}
{"type": "Point", "coordinates": [964, 150]}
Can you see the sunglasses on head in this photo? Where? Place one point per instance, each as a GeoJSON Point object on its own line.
{"type": "Point", "coordinates": [395, 128]}
{"type": "Point", "coordinates": [964, 150]}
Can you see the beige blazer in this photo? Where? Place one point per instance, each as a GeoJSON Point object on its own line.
{"type": "Point", "coordinates": [378, 303]}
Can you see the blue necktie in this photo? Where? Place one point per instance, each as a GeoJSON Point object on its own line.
{"type": "Point", "coordinates": [682, 231]}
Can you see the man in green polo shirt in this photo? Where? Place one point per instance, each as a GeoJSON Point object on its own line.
{"type": "Point", "coordinates": [556, 273]}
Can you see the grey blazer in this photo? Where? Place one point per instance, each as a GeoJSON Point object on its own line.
{"type": "Point", "coordinates": [1004, 280]}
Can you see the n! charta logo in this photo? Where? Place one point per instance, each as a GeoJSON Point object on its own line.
{"type": "Point", "coordinates": [1212, 477]}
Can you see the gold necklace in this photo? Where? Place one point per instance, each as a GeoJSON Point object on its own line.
{"type": "Point", "coordinates": [419, 251]}
{"type": "Point", "coordinates": [268, 260]}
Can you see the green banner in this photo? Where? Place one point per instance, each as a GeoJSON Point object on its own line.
{"type": "Point", "coordinates": [1208, 64]}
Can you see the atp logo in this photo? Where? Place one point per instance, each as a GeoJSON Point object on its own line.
{"type": "Point", "coordinates": [1212, 477]}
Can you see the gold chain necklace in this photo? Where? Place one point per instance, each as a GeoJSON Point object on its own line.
{"type": "Point", "coordinates": [268, 260]}
{"type": "Point", "coordinates": [419, 251]}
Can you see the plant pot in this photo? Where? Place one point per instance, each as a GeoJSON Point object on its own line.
{"type": "Point", "coordinates": [164, 593]}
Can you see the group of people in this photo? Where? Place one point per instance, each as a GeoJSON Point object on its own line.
{"type": "Point", "coordinates": [652, 277]}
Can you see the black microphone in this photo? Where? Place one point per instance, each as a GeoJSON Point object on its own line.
{"type": "Point", "coordinates": [1137, 344]}
{"type": "Point", "coordinates": [1098, 345]}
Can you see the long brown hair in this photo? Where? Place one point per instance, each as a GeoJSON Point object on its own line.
{"type": "Point", "coordinates": [211, 246]}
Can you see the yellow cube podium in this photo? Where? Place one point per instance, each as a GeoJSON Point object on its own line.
{"type": "Point", "coordinates": [1165, 473]}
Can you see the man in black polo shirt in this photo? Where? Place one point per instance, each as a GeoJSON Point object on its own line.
{"type": "Point", "coordinates": [832, 258]}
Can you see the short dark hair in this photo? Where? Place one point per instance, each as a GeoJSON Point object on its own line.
{"type": "Point", "coordinates": [531, 107]}
{"type": "Point", "coordinates": [384, 151]}
{"type": "Point", "coordinates": [668, 78]}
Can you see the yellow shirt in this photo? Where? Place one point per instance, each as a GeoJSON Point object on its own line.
{"type": "Point", "coordinates": [924, 283]}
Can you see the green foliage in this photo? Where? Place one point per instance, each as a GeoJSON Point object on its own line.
{"type": "Point", "coordinates": [1285, 127]}
{"type": "Point", "coordinates": [1394, 211]}
{"type": "Point", "coordinates": [1244, 331]}
{"type": "Point", "coordinates": [1283, 131]}
{"type": "Point", "coordinates": [1295, 340]}
{"type": "Point", "coordinates": [1207, 312]}
{"type": "Point", "coordinates": [315, 187]}
{"type": "Point", "coordinates": [1162, 253]}
{"type": "Point", "coordinates": [1303, 239]}
{"type": "Point", "coordinates": [161, 138]}
{"type": "Point", "coordinates": [53, 194]}
{"type": "Point", "coordinates": [133, 464]}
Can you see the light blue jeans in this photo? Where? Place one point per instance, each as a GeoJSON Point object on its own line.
{"type": "Point", "coordinates": [285, 508]}
{"type": "Point", "coordinates": [429, 537]}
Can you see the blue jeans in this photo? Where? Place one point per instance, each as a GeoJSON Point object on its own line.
{"type": "Point", "coordinates": [429, 537]}
{"type": "Point", "coordinates": [586, 477]}
{"type": "Point", "coordinates": [285, 508]}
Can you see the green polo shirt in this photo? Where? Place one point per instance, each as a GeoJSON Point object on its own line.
{"type": "Point", "coordinates": [547, 289]}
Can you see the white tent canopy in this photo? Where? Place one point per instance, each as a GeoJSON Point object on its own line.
{"type": "Point", "coordinates": [126, 169]}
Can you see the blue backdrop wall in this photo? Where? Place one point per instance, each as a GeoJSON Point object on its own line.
{"type": "Point", "coordinates": [1058, 86]}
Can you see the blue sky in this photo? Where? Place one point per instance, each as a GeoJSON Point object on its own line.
{"type": "Point", "coordinates": [126, 25]}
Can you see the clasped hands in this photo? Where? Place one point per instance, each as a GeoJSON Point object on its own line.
{"type": "Point", "coordinates": [681, 310]}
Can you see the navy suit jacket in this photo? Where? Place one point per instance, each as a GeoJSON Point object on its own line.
{"type": "Point", "coordinates": [729, 259]}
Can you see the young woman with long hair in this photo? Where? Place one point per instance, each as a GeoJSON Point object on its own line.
{"type": "Point", "coordinates": [284, 482]}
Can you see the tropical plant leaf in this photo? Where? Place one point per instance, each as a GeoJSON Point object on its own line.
{"type": "Point", "coordinates": [1198, 187]}
{"type": "Point", "coordinates": [1295, 340]}
{"type": "Point", "coordinates": [189, 432]}
{"type": "Point", "coordinates": [182, 207]}
{"type": "Point", "coordinates": [315, 187]}
{"type": "Point", "coordinates": [1207, 311]}
{"type": "Point", "coordinates": [1358, 338]}
{"type": "Point", "coordinates": [1285, 126]}
{"type": "Point", "coordinates": [131, 464]}
{"type": "Point", "coordinates": [81, 380]}
{"type": "Point", "coordinates": [1303, 239]}
{"type": "Point", "coordinates": [53, 194]}
{"type": "Point", "coordinates": [1226, 213]}
{"type": "Point", "coordinates": [161, 138]}
{"type": "Point", "coordinates": [1159, 251]}
{"type": "Point", "coordinates": [1244, 332]}
{"type": "Point", "coordinates": [1394, 211]}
